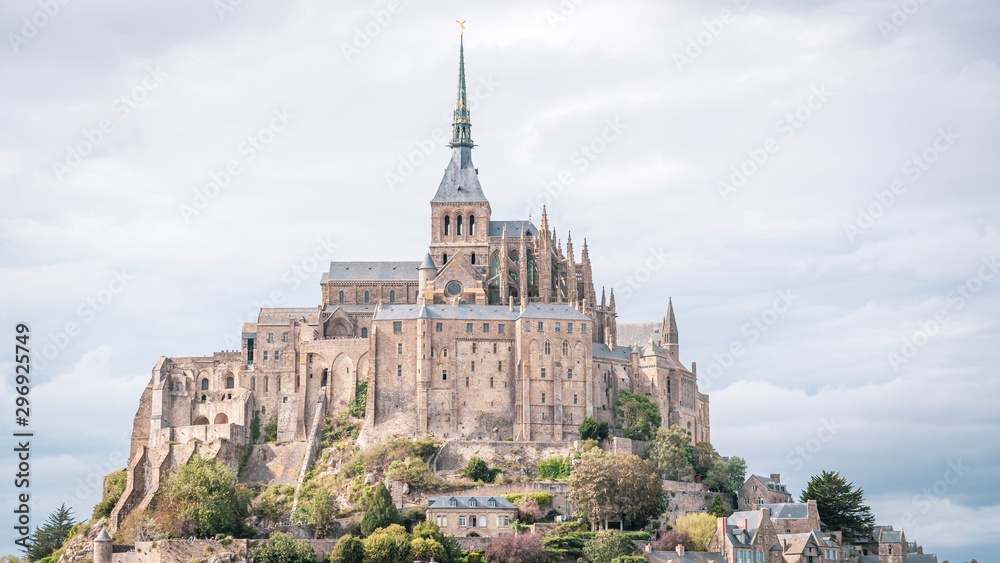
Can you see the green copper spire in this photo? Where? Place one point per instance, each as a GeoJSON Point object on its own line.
{"type": "Point", "coordinates": [461, 129]}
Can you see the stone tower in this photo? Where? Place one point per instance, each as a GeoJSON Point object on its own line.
{"type": "Point", "coordinates": [102, 547]}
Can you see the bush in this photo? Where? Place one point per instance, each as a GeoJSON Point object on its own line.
{"type": "Point", "coordinates": [284, 548]}
{"type": "Point", "coordinates": [478, 471]}
{"type": "Point", "coordinates": [700, 528]}
{"type": "Point", "coordinates": [525, 548]}
{"type": "Point", "coordinates": [321, 513]}
{"type": "Point", "coordinates": [274, 505]}
{"type": "Point", "coordinates": [356, 408]}
{"type": "Point", "coordinates": [114, 486]}
{"type": "Point", "coordinates": [203, 498]}
{"type": "Point", "coordinates": [590, 429]}
{"type": "Point", "coordinates": [414, 472]}
{"type": "Point", "coordinates": [637, 415]}
{"type": "Point", "coordinates": [381, 511]}
{"type": "Point", "coordinates": [606, 546]}
{"type": "Point", "coordinates": [254, 428]}
{"type": "Point", "coordinates": [271, 431]}
{"type": "Point", "coordinates": [349, 549]}
{"type": "Point", "coordinates": [554, 469]}
{"type": "Point", "coordinates": [629, 559]}
{"type": "Point", "coordinates": [528, 510]}
{"type": "Point", "coordinates": [388, 545]}
{"type": "Point", "coordinates": [670, 540]}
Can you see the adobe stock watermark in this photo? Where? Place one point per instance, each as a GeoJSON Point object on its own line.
{"type": "Point", "coordinates": [928, 496]}
{"type": "Point", "coordinates": [249, 150]}
{"type": "Point", "coordinates": [654, 262]}
{"type": "Point", "coordinates": [563, 11]}
{"type": "Point", "coordinates": [580, 160]}
{"type": "Point", "coordinates": [752, 330]}
{"type": "Point", "coordinates": [31, 26]}
{"type": "Point", "coordinates": [121, 107]}
{"type": "Point", "coordinates": [913, 169]}
{"type": "Point", "coordinates": [786, 127]}
{"type": "Point", "coordinates": [87, 311]}
{"type": "Point", "coordinates": [305, 269]}
{"type": "Point", "coordinates": [910, 346]}
{"type": "Point", "coordinates": [368, 31]}
{"type": "Point", "coordinates": [900, 16]}
{"type": "Point", "coordinates": [481, 91]}
{"type": "Point", "coordinates": [697, 44]}
{"type": "Point", "coordinates": [797, 457]}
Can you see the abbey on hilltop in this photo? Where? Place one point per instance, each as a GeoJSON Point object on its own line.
{"type": "Point", "coordinates": [497, 333]}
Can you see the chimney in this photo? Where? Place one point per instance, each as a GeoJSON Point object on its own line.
{"type": "Point", "coordinates": [776, 477]}
{"type": "Point", "coordinates": [741, 523]}
{"type": "Point", "coordinates": [680, 550]}
{"type": "Point", "coordinates": [721, 524]}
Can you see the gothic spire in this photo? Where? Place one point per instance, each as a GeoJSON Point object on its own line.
{"type": "Point", "coordinates": [461, 129]}
{"type": "Point", "coordinates": [669, 330]}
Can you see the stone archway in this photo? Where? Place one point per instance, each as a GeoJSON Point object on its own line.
{"type": "Point", "coordinates": [340, 385]}
{"type": "Point", "coordinates": [221, 418]}
{"type": "Point", "coordinates": [201, 421]}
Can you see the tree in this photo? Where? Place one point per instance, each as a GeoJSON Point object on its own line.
{"type": "Point", "coordinates": [629, 559]}
{"type": "Point", "coordinates": [727, 475]}
{"type": "Point", "coordinates": [381, 511]}
{"type": "Point", "coordinates": [616, 487]}
{"type": "Point", "coordinates": [50, 536]}
{"type": "Point", "coordinates": [718, 508]}
{"type": "Point", "coordinates": [525, 548]}
{"type": "Point", "coordinates": [284, 548]}
{"type": "Point", "coordinates": [528, 510]}
{"type": "Point", "coordinates": [388, 545]}
{"type": "Point", "coordinates": [700, 528]}
{"type": "Point", "coordinates": [478, 471]}
{"type": "Point", "coordinates": [203, 498]}
{"type": "Point", "coordinates": [349, 549]}
{"type": "Point", "coordinates": [607, 545]}
{"type": "Point", "coordinates": [321, 513]}
{"type": "Point", "coordinates": [670, 540]}
{"type": "Point", "coordinates": [637, 416]}
{"type": "Point", "coordinates": [114, 486]}
{"type": "Point", "coordinates": [554, 469]}
{"type": "Point", "coordinates": [452, 551]}
{"type": "Point", "coordinates": [425, 549]}
{"type": "Point", "coordinates": [841, 505]}
{"type": "Point", "coordinates": [670, 451]}
{"type": "Point", "coordinates": [703, 457]}
{"type": "Point", "coordinates": [590, 429]}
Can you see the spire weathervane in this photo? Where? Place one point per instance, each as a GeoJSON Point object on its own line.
{"type": "Point", "coordinates": [461, 27]}
{"type": "Point", "coordinates": [461, 129]}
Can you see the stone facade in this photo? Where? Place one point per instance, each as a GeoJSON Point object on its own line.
{"type": "Point", "coordinates": [759, 490]}
{"type": "Point", "coordinates": [497, 334]}
{"type": "Point", "coordinates": [475, 516]}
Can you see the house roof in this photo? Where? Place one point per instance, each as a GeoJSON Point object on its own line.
{"type": "Point", "coordinates": [466, 502]}
{"type": "Point", "coordinates": [460, 183]}
{"type": "Point", "coordinates": [514, 228]}
{"type": "Point", "coordinates": [771, 483]}
{"type": "Point", "coordinates": [281, 316]}
{"type": "Point", "coordinates": [375, 271]}
{"type": "Point", "coordinates": [619, 353]}
{"type": "Point", "coordinates": [637, 333]}
{"type": "Point", "coordinates": [688, 557]}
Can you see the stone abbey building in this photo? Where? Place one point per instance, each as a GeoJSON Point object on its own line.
{"type": "Point", "coordinates": [497, 333]}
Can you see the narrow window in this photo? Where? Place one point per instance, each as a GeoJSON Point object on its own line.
{"type": "Point", "coordinates": [548, 348]}
{"type": "Point", "coordinates": [472, 257]}
{"type": "Point", "coordinates": [399, 371]}
{"type": "Point", "coordinates": [265, 357]}
{"type": "Point", "coordinates": [447, 225]}
{"type": "Point", "coordinates": [253, 383]}
{"type": "Point", "coordinates": [466, 381]}
{"type": "Point", "coordinates": [444, 375]}
{"type": "Point", "coordinates": [569, 328]}
{"type": "Point", "coordinates": [397, 326]}
{"type": "Point", "coordinates": [565, 348]}
{"type": "Point", "coordinates": [265, 387]}
{"type": "Point", "coordinates": [277, 355]}
{"type": "Point", "coordinates": [204, 384]}
{"type": "Point", "coordinates": [500, 328]}
{"type": "Point", "coordinates": [458, 225]}
{"type": "Point", "coordinates": [491, 383]}
{"type": "Point", "coordinates": [494, 347]}
{"type": "Point", "coordinates": [444, 258]}
{"type": "Point", "coordinates": [468, 327]}
{"type": "Point", "coordinates": [392, 297]}
{"type": "Point", "coordinates": [569, 373]}
{"type": "Point", "coordinates": [284, 337]}
{"type": "Point", "coordinates": [367, 297]}
{"type": "Point", "coordinates": [399, 347]}
{"type": "Point", "coordinates": [277, 383]}
{"type": "Point", "coordinates": [541, 326]}
{"type": "Point", "coordinates": [270, 337]}
{"type": "Point", "coordinates": [340, 297]}
{"type": "Point", "coordinates": [364, 333]}
{"type": "Point", "coordinates": [543, 373]}
{"type": "Point", "coordinates": [558, 327]}
{"type": "Point", "coordinates": [444, 352]}
{"type": "Point", "coordinates": [574, 399]}
{"type": "Point", "coordinates": [500, 366]}
{"type": "Point", "coordinates": [486, 328]}
{"type": "Point", "coordinates": [583, 329]}
{"type": "Point", "coordinates": [438, 327]}
{"type": "Point", "coordinates": [472, 226]}
{"type": "Point", "coordinates": [473, 366]}
{"type": "Point", "coordinates": [543, 398]}
{"type": "Point", "coordinates": [473, 347]}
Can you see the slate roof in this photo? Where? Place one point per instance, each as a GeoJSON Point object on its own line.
{"type": "Point", "coordinates": [688, 557]}
{"type": "Point", "coordinates": [890, 536]}
{"type": "Point", "coordinates": [921, 558]}
{"type": "Point", "coordinates": [362, 271]}
{"type": "Point", "coordinates": [480, 312]}
{"type": "Point", "coordinates": [771, 484]}
{"type": "Point", "coordinates": [461, 181]}
{"type": "Point", "coordinates": [281, 316]}
{"type": "Point", "coordinates": [637, 333]}
{"type": "Point", "coordinates": [602, 351]}
{"type": "Point", "coordinates": [514, 228]}
{"type": "Point", "coordinates": [788, 510]}
{"type": "Point", "coordinates": [463, 502]}
{"type": "Point", "coordinates": [350, 308]}
{"type": "Point", "coordinates": [552, 311]}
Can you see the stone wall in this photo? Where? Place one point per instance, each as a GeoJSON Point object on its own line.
{"type": "Point", "coordinates": [558, 489]}
{"type": "Point", "coordinates": [515, 458]}
{"type": "Point", "coordinates": [683, 498]}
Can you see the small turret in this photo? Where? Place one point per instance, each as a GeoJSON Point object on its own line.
{"type": "Point", "coordinates": [102, 547]}
{"type": "Point", "coordinates": [425, 273]}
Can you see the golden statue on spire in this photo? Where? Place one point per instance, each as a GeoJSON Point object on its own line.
{"type": "Point", "coordinates": [461, 27]}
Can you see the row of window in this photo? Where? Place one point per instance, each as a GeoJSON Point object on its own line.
{"type": "Point", "coordinates": [270, 337]}
{"type": "Point", "coordinates": [458, 225]}
{"type": "Point", "coordinates": [575, 402]}
{"type": "Point", "coordinates": [230, 383]}
{"type": "Point", "coordinates": [544, 373]}
{"type": "Point", "coordinates": [474, 521]}
{"type": "Point", "coordinates": [367, 297]}
{"type": "Point", "coordinates": [277, 356]}
{"type": "Point", "coordinates": [557, 326]}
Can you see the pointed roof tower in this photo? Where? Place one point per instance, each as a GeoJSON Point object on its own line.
{"type": "Point", "coordinates": [669, 331]}
{"type": "Point", "coordinates": [461, 179]}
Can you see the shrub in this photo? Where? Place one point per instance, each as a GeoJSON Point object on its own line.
{"type": "Point", "coordinates": [554, 469]}
{"type": "Point", "coordinates": [349, 549]}
{"type": "Point", "coordinates": [525, 548]}
{"type": "Point", "coordinates": [284, 548]}
{"type": "Point", "coordinates": [274, 505]}
{"type": "Point", "coordinates": [114, 486]}
{"type": "Point", "coordinates": [607, 545]}
{"type": "Point", "coordinates": [478, 471]}
{"type": "Point", "coordinates": [271, 430]}
{"type": "Point", "coordinates": [590, 429]}
{"type": "Point", "coordinates": [670, 540]}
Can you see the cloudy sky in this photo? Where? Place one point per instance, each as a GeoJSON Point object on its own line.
{"type": "Point", "coordinates": [813, 182]}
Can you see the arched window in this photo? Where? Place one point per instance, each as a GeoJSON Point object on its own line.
{"type": "Point", "coordinates": [392, 297]}
{"type": "Point", "coordinates": [204, 384]}
{"type": "Point", "coordinates": [472, 258]}
{"type": "Point", "coordinates": [447, 225]}
{"type": "Point", "coordinates": [472, 224]}
{"type": "Point", "coordinates": [548, 348]}
{"type": "Point", "coordinates": [364, 333]}
{"type": "Point", "coordinates": [229, 382]}
{"type": "Point", "coordinates": [444, 259]}
{"type": "Point", "coordinates": [458, 225]}
{"type": "Point", "coordinates": [340, 297]}
{"type": "Point", "coordinates": [367, 297]}
{"type": "Point", "coordinates": [565, 348]}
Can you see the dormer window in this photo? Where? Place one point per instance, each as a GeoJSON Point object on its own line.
{"type": "Point", "coordinates": [473, 503]}
{"type": "Point", "coordinates": [453, 503]}
{"type": "Point", "coordinates": [493, 503]}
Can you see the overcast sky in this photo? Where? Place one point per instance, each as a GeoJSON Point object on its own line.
{"type": "Point", "coordinates": [813, 182]}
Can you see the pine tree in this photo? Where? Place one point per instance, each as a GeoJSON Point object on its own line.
{"type": "Point", "coordinates": [380, 512]}
{"type": "Point", "coordinates": [49, 536]}
{"type": "Point", "coordinates": [841, 505]}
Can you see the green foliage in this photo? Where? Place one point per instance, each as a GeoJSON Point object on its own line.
{"type": "Point", "coordinates": [417, 474]}
{"type": "Point", "coordinates": [338, 428]}
{"type": "Point", "coordinates": [114, 486]}
{"type": "Point", "coordinates": [478, 471]}
{"type": "Point", "coordinates": [554, 469]}
{"type": "Point", "coordinates": [388, 545]}
{"type": "Point", "coordinates": [841, 505]}
{"type": "Point", "coordinates": [451, 551]}
{"type": "Point", "coordinates": [425, 549]}
{"type": "Point", "coordinates": [606, 546]}
{"type": "Point", "coordinates": [637, 415]}
{"type": "Point", "coordinates": [284, 548]}
{"type": "Point", "coordinates": [356, 407]}
{"type": "Point", "coordinates": [670, 451]}
{"type": "Point", "coordinates": [271, 430]}
{"type": "Point", "coordinates": [543, 499]}
{"type": "Point", "coordinates": [413, 516]}
{"type": "Point", "coordinates": [274, 505]}
{"type": "Point", "coordinates": [565, 545]}
{"type": "Point", "coordinates": [349, 549]}
{"type": "Point", "coordinates": [380, 512]}
{"type": "Point", "coordinates": [590, 429]}
{"type": "Point", "coordinates": [629, 559]}
{"type": "Point", "coordinates": [718, 508]}
{"type": "Point", "coordinates": [523, 548]}
{"type": "Point", "coordinates": [616, 487]}
{"type": "Point", "coordinates": [321, 513]}
{"type": "Point", "coordinates": [378, 457]}
{"type": "Point", "coordinates": [255, 428]}
{"type": "Point", "coordinates": [727, 475]}
{"type": "Point", "coordinates": [700, 528]}
{"type": "Point", "coordinates": [203, 498]}
{"type": "Point", "coordinates": [49, 537]}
